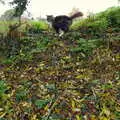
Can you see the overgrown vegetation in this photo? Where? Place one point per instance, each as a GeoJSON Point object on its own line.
{"type": "Point", "coordinates": [96, 25]}
{"type": "Point", "coordinates": [76, 77]}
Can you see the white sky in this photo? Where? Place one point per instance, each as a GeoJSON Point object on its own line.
{"type": "Point", "coordinates": [60, 7]}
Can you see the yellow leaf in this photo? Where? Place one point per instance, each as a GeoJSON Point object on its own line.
{"type": "Point", "coordinates": [103, 118]}
{"type": "Point", "coordinates": [93, 117]}
{"type": "Point", "coordinates": [106, 111]}
{"type": "Point", "coordinates": [73, 104]}
{"type": "Point", "coordinates": [77, 117]}
{"type": "Point", "coordinates": [34, 117]}
{"type": "Point", "coordinates": [79, 76]}
{"type": "Point", "coordinates": [2, 115]}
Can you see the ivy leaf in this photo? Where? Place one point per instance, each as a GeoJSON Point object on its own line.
{"type": "Point", "coordinates": [41, 103]}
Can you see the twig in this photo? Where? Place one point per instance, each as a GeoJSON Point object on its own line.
{"type": "Point", "coordinates": [53, 104]}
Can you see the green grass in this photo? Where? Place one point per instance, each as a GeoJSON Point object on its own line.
{"type": "Point", "coordinates": [39, 25]}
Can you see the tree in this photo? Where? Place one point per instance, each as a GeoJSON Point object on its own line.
{"type": "Point", "coordinates": [8, 15]}
{"type": "Point", "coordinates": [20, 7]}
{"type": "Point", "coordinates": [2, 1]}
{"type": "Point", "coordinates": [118, 2]}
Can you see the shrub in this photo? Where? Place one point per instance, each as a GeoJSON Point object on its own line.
{"type": "Point", "coordinates": [112, 15]}
{"type": "Point", "coordinates": [96, 25]}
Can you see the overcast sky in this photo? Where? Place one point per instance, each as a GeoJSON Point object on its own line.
{"type": "Point", "coordinates": [59, 7]}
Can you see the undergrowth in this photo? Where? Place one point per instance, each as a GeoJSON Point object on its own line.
{"type": "Point", "coordinates": [76, 77]}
